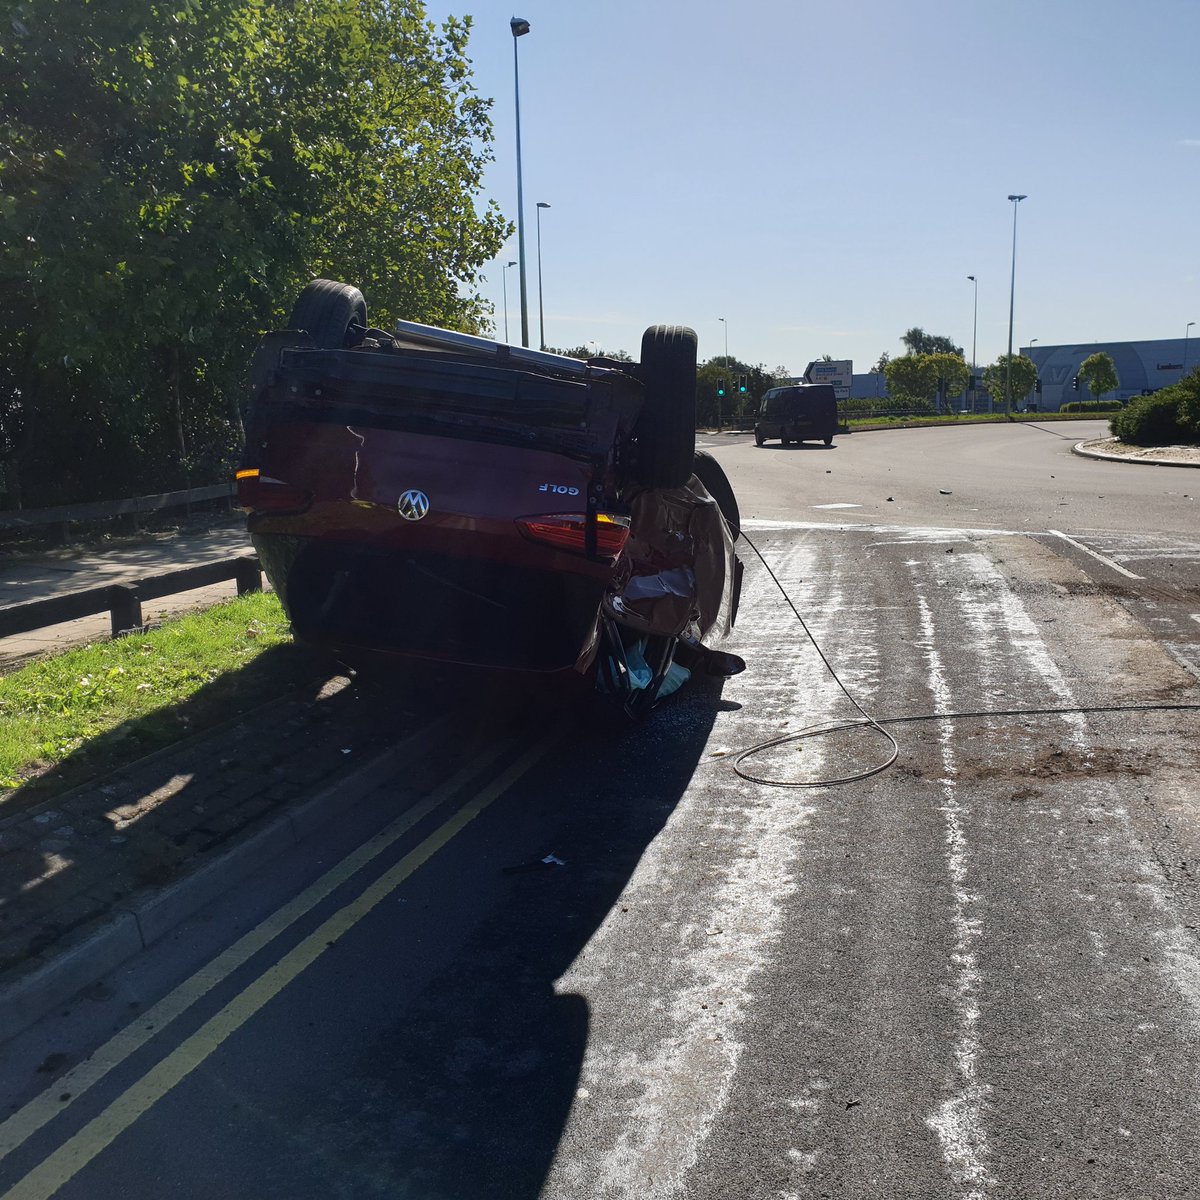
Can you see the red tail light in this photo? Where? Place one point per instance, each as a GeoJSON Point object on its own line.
{"type": "Point", "coordinates": [567, 531]}
{"type": "Point", "coordinates": [262, 493]}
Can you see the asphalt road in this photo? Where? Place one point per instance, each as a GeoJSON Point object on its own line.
{"type": "Point", "coordinates": [974, 974]}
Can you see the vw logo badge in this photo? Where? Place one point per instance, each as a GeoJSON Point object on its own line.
{"type": "Point", "coordinates": [413, 505]}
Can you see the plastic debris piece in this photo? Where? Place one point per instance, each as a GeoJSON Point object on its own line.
{"type": "Point", "coordinates": [674, 679]}
{"type": "Point", "coordinates": [640, 674]}
{"type": "Point", "coordinates": [943, 492]}
{"type": "Point", "coordinates": [535, 864]}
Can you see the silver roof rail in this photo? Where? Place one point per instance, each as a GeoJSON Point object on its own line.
{"type": "Point", "coordinates": [413, 334]}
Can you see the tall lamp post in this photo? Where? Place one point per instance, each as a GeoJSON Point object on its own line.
{"type": "Point", "coordinates": [520, 27]}
{"type": "Point", "coordinates": [727, 371]}
{"type": "Point", "coordinates": [541, 311]}
{"type": "Point", "coordinates": [1012, 292]}
{"type": "Point", "coordinates": [1186, 330]}
{"type": "Point", "coordinates": [974, 329]}
{"type": "Point", "coordinates": [504, 276]}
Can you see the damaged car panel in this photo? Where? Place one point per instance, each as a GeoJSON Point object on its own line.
{"type": "Point", "coordinates": [430, 495]}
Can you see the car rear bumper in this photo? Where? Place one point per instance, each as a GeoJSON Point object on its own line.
{"type": "Point", "coordinates": [357, 598]}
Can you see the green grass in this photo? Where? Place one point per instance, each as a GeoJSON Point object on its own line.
{"type": "Point", "coordinates": [968, 419]}
{"type": "Point", "coordinates": [74, 715]}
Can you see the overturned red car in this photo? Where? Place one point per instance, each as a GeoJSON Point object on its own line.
{"type": "Point", "coordinates": [429, 495]}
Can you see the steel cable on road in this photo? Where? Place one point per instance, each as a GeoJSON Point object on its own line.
{"type": "Point", "coordinates": [870, 722]}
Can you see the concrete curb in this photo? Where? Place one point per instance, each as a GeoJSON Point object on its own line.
{"type": "Point", "coordinates": [1080, 449]}
{"type": "Point", "coordinates": [129, 930]}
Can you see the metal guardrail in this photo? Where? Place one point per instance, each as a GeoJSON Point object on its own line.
{"type": "Point", "coordinates": [66, 514]}
{"type": "Point", "coordinates": [123, 601]}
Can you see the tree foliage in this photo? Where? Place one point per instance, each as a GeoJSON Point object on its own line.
{"type": "Point", "coordinates": [171, 174]}
{"type": "Point", "coordinates": [1099, 372]}
{"type": "Point", "coordinates": [911, 377]}
{"type": "Point", "coordinates": [711, 408]}
{"type": "Point", "coordinates": [1024, 377]}
{"type": "Point", "coordinates": [920, 342]}
{"type": "Point", "coordinates": [953, 374]}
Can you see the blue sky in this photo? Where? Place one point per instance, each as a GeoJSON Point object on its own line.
{"type": "Point", "coordinates": [826, 176]}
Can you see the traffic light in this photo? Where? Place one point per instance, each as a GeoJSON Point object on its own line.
{"type": "Point", "coordinates": [720, 387]}
{"type": "Point", "coordinates": [1037, 387]}
{"type": "Point", "coordinates": [741, 383]}
{"type": "Point", "coordinates": [1075, 384]}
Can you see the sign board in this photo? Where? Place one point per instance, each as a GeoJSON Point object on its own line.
{"type": "Point", "coordinates": [840, 374]}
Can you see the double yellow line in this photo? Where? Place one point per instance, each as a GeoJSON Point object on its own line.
{"type": "Point", "coordinates": [73, 1155]}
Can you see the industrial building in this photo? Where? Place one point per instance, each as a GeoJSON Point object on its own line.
{"type": "Point", "coordinates": [1141, 367]}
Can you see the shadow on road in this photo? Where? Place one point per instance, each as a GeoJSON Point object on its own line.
{"type": "Point", "coordinates": [465, 1089]}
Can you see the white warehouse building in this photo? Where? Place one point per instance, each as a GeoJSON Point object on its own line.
{"type": "Point", "coordinates": [1142, 367]}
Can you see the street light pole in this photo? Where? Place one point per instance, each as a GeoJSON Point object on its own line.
{"type": "Point", "coordinates": [520, 27]}
{"type": "Point", "coordinates": [727, 371]}
{"type": "Point", "coordinates": [974, 330]}
{"type": "Point", "coordinates": [1186, 330]}
{"type": "Point", "coordinates": [541, 310]}
{"type": "Point", "coordinates": [1012, 292]}
{"type": "Point", "coordinates": [504, 276]}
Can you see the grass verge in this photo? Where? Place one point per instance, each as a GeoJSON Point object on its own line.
{"type": "Point", "coordinates": [968, 419]}
{"type": "Point", "coordinates": [82, 713]}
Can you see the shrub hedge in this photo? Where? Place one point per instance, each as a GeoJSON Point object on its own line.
{"type": "Point", "coordinates": [1170, 417]}
{"type": "Point", "coordinates": [1096, 406]}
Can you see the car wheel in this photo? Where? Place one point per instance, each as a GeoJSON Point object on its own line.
{"type": "Point", "coordinates": [717, 485]}
{"type": "Point", "coordinates": [829, 441]}
{"type": "Point", "coordinates": [758, 438]}
{"type": "Point", "coordinates": [333, 314]}
{"type": "Point", "coordinates": [666, 428]}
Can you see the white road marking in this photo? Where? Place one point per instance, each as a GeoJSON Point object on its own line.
{"type": "Point", "coordinates": [958, 1122]}
{"type": "Point", "coordinates": [1108, 562]}
{"type": "Point", "coordinates": [657, 1085]}
{"type": "Point", "coordinates": [759, 523]}
{"type": "Point", "coordinates": [835, 506]}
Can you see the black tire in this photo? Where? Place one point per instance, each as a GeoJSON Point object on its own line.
{"type": "Point", "coordinates": [666, 428]}
{"type": "Point", "coordinates": [717, 485]}
{"type": "Point", "coordinates": [829, 440]}
{"type": "Point", "coordinates": [328, 312]}
{"type": "Point", "coordinates": [758, 438]}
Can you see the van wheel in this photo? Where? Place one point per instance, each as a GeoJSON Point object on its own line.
{"type": "Point", "coordinates": [829, 441]}
{"type": "Point", "coordinates": [666, 428]}
{"type": "Point", "coordinates": [333, 314]}
{"type": "Point", "coordinates": [717, 485]}
{"type": "Point", "coordinates": [758, 438]}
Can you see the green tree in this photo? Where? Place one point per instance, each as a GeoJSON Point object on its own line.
{"type": "Point", "coordinates": [591, 350]}
{"type": "Point", "coordinates": [920, 342]}
{"type": "Point", "coordinates": [1099, 372]}
{"type": "Point", "coordinates": [171, 174]}
{"type": "Point", "coordinates": [1024, 376]}
{"type": "Point", "coordinates": [953, 374]}
{"type": "Point", "coordinates": [912, 377]}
